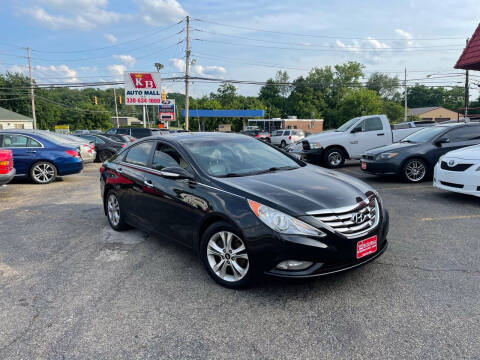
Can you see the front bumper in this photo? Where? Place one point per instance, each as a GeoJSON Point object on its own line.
{"type": "Point", "coordinates": [314, 156]}
{"type": "Point", "coordinates": [380, 167]}
{"type": "Point", "coordinates": [6, 178]}
{"type": "Point", "coordinates": [338, 255]}
{"type": "Point", "coordinates": [463, 182]}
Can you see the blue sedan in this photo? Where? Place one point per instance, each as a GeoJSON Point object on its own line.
{"type": "Point", "coordinates": [39, 157]}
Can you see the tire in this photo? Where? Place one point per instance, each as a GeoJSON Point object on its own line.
{"type": "Point", "coordinates": [334, 158]}
{"type": "Point", "coordinates": [104, 155]}
{"type": "Point", "coordinates": [114, 213]}
{"type": "Point", "coordinates": [283, 144]}
{"type": "Point", "coordinates": [43, 172]}
{"type": "Point", "coordinates": [219, 258]}
{"type": "Point", "coordinates": [414, 170]}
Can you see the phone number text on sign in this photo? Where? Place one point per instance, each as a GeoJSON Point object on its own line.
{"type": "Point", "coordinates": [142, 101]}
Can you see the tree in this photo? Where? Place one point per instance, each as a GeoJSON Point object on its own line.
{"type": "Point", "coordinates": [384, 85]}
{"type": "Point", "coordinates": [393, 110]}
{"type": "Point", "coordinates": [360, 102]}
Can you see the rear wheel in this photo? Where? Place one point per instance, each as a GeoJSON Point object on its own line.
{"type": "Point", "coordinates": [334, 158]}
{"type": "Point", "coordinates": [283, 144]}
{"type": "Point", "coordinates": [225, 256]}
{"type": "Point", "coordinates": [114, 212]}
{"type": "Point", "coordinates": [414, 170]}
{"type": "Point", "coordinates": [43, 172]}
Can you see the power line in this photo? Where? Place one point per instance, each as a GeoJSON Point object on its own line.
{"type": "Point", "coordinates": [318, 36]}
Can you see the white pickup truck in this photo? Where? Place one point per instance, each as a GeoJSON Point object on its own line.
{"type": "Point", "coordinates": [349, 141]}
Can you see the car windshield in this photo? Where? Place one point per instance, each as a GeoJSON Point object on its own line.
{"type": "Point", "coordinates": [347, 125]}
{"type": "Point", "coordinates": [424, 135]}
{"type": "Point", "coordinates": [237, 156]}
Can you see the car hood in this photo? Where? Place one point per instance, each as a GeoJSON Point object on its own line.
{"type": "Point", "coordinates": [327, 135]}
{"type": "Point", "coordinates": [468, 153]}
{"type": "Point", "coordinates": [318, 189]}
{"type": "Point", "coordinates": [395, 147]}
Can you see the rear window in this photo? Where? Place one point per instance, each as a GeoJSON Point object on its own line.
{"type": "Point", "coordinates": [141, 132]}
{"type": "Point", "coordinates": [122, 131]}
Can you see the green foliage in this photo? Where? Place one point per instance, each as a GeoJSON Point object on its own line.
{"type": "Point", "coordinates": [421, 96]}
{"type": "Point", "coordinates": [359, 102]}
{"type": "Point", "coordinates": [394, 111]}
{"type": "Point", "coordinates": [384, 85]}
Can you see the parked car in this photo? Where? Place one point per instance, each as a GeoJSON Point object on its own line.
{"type": "Point", "coordinates": [283, 138]}
{"type": "Point", "coordinates": [231, 198]}
{"type": "Point", "coordinates": [39, 157]}
{"type": "Point", "coordinates": [414, 124]}
{"type": "Point", "coordinates": [459, 171]}
{"type": "Point", "coordinates": [120, 138]}
{"type": "Point", "coordinates": [258, 134]}
{"type": "Point", "coordinates": [351, 140]}
{"type": "Point", "coordinates": [414, 157]}
{"type": "Point", "coordinates": [7, 171]}
{"type": "Point", "coordinates": [86, 148]}
{"type": "Point", "coordinates": [136, 132]}
{"type": "Point", "coordinates": [104, 146]}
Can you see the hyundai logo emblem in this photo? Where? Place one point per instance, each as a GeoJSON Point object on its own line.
{"type": "Point", "coordinates": [358, 218]}
{"type": "Point", "coordinates": [451, 162]}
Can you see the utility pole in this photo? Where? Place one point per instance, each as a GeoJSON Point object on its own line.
{"type": "Point", "coordinates": [116, 108]}
{"type": "Point", "coordinates": [467, 90]}
{"type": "Point", "coordinates": [187, 69]}
{"type": "Point", "coordinates": [406, 96]}
{"type": "Point", "coordinates": [144, 117]}
{"type": "Point", "coordinates": [32, 92]}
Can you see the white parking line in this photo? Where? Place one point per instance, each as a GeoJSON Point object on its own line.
{"type": "Point", "coordinates": [451, 217]}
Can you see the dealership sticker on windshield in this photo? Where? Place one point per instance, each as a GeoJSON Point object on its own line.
{"type": "Point", "coordinates": [364, 166]}
{"type": "Point", "coordinates": [366, 247]}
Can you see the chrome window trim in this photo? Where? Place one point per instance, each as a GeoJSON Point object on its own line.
{"type": "Point", "coordinates": [22, 147]}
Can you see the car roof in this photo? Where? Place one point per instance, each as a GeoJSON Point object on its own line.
{"type": "Point", "coordinates": [200, 136]}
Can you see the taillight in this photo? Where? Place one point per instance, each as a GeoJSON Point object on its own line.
{"type": "Point", "coordinates": [123, 145]}
{"type": "Point", "coordinates": [102, 169]}
{"type": "Point", "coordinates": [290, 138]}
{"type": "Point", "coordinates": [92, 147]}
{"type": "Point", "coordinates": [72, 153]}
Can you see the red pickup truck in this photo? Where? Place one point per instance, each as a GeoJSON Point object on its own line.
{"type": "Point", "coordinates": [7, 171]}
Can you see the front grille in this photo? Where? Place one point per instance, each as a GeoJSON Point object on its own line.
{"type": "Point", "coordinates": [458, 167]}
{"type": "Point", "coordinates": [351, 221]}
{"type": "Point", "coordinates": [368, 157]}
{"type": "Point", "coordinates": [305, 145]}
{"type": "Point", "coordinates": [458, 186]}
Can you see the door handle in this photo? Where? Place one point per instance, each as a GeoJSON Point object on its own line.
{"type": "Point", "coordinates": [381, 134]}
{"type": "Point", "coordinates": [32, 151]}
{"type": "Point", "coordinates": [148, 183]}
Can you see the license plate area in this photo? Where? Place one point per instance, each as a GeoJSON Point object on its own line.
{"type": "Point", "coordinates": [366, 247]}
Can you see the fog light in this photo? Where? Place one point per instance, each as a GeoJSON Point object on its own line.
{"type": "Point", "coordinates": [294, 265]}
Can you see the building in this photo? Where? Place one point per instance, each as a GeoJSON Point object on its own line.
{"type": "Point", "coordinates": [436, 113]}
{"type": "Point", "coordinates": [225, 127]}
{"type": "Point", "coordinates": [13, 120]}
{"type": "Point", "coordinates": [312, 126]}
{"type": "Point", "coordinates": [125, 121]}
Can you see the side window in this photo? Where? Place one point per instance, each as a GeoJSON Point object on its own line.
{"type": "Point", "coordinates": [286, 133]}
{"type": "Point", "coordinates": [465, 133]}
{"type": "Point", "coordinates": [33, 143]}
{"type": "Point", "coordinates": [140, 154]}
{"type": "Point", "coordinates": [98, 140]}
{"type": "Point", "coordinates": [140, 132]}
{"type": "Point", "coordinates": [14, 141]}
{"type": "Point", "coordinates": [373, 124]}
{"type": "Point", "coordinates": [166, 156]}
{"type": "Point", "coordinates": [111, 131]}
{"type": "Point", "coordinates": [121, 131]}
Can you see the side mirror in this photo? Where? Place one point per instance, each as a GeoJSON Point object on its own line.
{"type": "Point", "coordinates": [356, 129]}
{"type": "Point", "coordinates": [441, 141]}
{"type": "Point", "coordinates": [175, 172]}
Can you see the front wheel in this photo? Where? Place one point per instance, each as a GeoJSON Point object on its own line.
{"type": "Point", "coordinates": [334, 158]}
{"type": "Point", "coordinates": [114, 213]}
{"type": "Point", "coordinates": [104, 155]}
{"type": "Point", "coordinates": [283, 144]}
{"type": "Point", "coordinates": [414, 170]}
{"type": "Point", "coordinates": [225, 256]}
{"type": "Point", "coordinates": [43, 172]}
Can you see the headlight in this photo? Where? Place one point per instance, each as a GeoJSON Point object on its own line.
{"type": "Point", "coordinates": [315, 146]}
{"type": "Point", "coordinates": [386, 156]}
{"type": "Point", "coordinates": [478, 169]}
{"type": "Point", "coordinates": [281, 222]}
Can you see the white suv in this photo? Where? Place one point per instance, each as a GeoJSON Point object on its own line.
{"type": "Point", "coordinates": [283, 138]}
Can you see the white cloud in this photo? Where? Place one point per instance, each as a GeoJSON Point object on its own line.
{"type": "Point", "coordinates": [376, 44]}
{"type": "Point", "coordinates": [404, 34]}
{"type": "Point", "coordinates": [179, 64]}
{"type": "Point", "coordinates": [198, 69]}
{"type": "Point", "coordinates": [161, 12]}
{"type": "Point", "coordinates": [127, 60]}
{"type": "Point", "coordinates": [18, 69]}
{"type": "Point", "coordinates": [117, 71]}
{"type": "Point", "coordinates": [112, 39]}
{"type": "Point", "coordinates": [54, 73]}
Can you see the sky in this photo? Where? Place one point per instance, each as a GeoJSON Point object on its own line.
{"type": "Point", "coordinates": [97, 40]}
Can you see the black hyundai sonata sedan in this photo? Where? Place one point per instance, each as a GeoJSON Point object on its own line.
{"type": "Point", "coordinates": [246, 207]}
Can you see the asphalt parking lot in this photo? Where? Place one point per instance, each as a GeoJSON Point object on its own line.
{"type": "Point", "coordinates": [73, 288]}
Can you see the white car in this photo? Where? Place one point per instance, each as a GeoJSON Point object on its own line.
{"type": "Point", "coordinates": [283, 138]}
{"type": "Point", "coordinates": [459, 171]}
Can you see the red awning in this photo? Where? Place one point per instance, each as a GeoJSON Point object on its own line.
{"type": "Point", "coordinates": [470, 58]}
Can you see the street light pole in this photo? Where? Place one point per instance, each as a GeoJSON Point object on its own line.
{"type": "Point", "coordinates": [32, 92]}
{"type": "Point", "coordinates": [187, 70]}
{"type": "Point", "coordinates": [406, 96]}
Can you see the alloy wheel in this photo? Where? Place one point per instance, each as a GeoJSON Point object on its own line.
{"type": "Point", "coordinates": [334, 158]}
{"type": "Point", "coordinates": [113, 209]}
{"type": "Point", "coordinates": [227, 256]}
{"type": "Point", "coordinates": [43, 173]}
{"type": "Point", "coordinates": [415, 170]}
